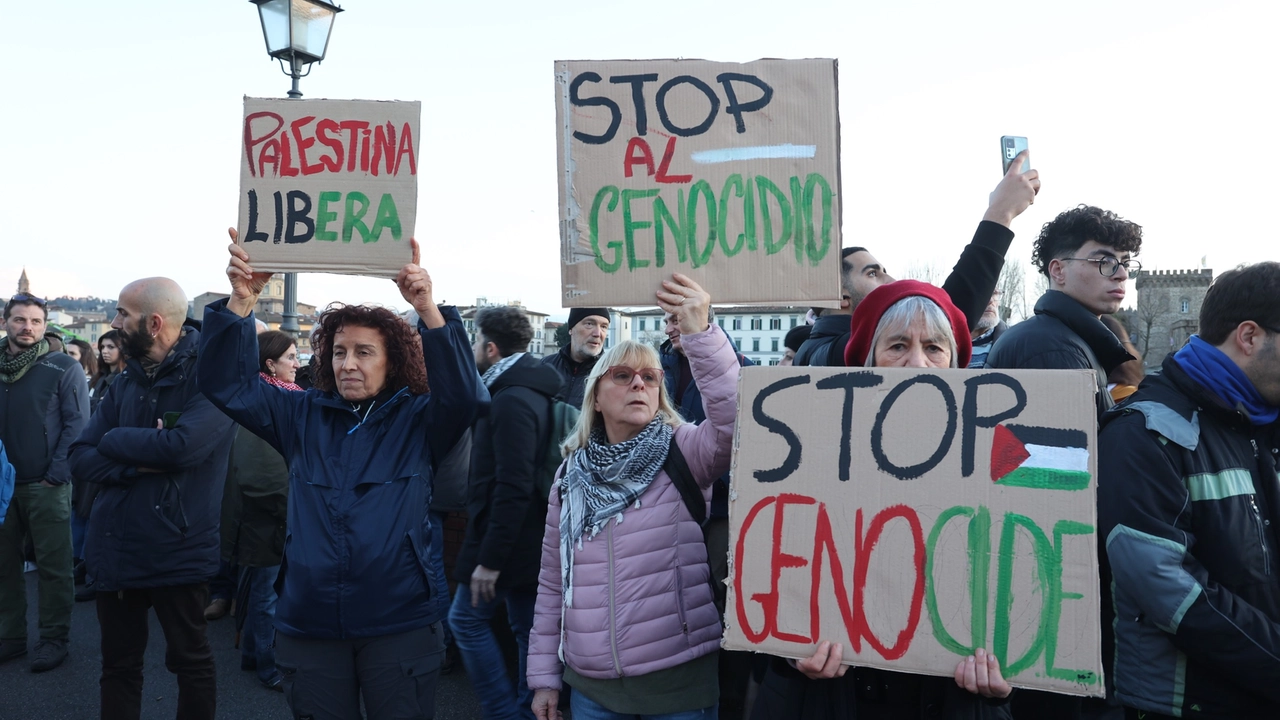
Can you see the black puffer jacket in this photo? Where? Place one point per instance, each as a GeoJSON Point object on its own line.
{"type": "Point", "coordinates": [1189, 507]}
{"type": "Point", "coordinates": [1062, 335]}
{"type": "Point", "coordinates": [506, 513]}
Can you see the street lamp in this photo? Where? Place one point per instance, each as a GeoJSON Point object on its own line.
{"type": "Point", "coordinates": [296, 31]}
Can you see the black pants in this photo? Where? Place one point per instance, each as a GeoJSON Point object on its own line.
{"type": "Point", "coordinates": [123, 619]}
{"type": "Point", "coordinates": [395, 675]}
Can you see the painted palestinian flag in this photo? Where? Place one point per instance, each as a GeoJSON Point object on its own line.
{"type": "Point", "coordinates": [1040, 457]}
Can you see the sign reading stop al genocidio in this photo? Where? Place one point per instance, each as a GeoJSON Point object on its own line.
{"type": "Point", "coordinates": [727, 172]}
{"type": "Point", "coordinates": [328, 185]}
{"type": "Point", "coordinates": [916, 516]}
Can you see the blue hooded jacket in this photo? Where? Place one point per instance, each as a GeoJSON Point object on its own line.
{"type": "Point", "coordinates": [361, 556]}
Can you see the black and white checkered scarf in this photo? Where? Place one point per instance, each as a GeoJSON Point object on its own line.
{"type": "Point", "coordinates": [600, 481]}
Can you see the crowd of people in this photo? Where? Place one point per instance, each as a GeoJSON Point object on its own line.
{"type": "Point", "coordinates": [595, 484]}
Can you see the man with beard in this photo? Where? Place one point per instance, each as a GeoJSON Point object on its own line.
{"type": "Point", "coordinates": [989, 329]}
{"type": "Point", "coordinates": [588, 329]}
{"type": "Point", "coordinates": [44, 404]}
{"type": "Point", "coordinates": [159, 449]}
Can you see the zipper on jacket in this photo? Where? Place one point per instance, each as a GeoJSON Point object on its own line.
{"type": "Point", "coordinates": [613, 614]}
{"type": "Point", "coordinates": [1262, 537]}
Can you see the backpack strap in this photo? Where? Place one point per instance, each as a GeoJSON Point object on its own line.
{"type": "Point", "coordinates": [678, 469]}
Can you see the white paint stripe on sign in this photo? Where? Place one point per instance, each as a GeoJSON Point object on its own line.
{"type": "Point", "coordinates": [759, 152]}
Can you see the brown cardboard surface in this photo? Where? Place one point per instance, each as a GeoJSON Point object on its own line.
{"type": "Point", "coordinates": [730, 183]}
{"type": "Point", "coordinates": [346, 176]}
{"type": "Point", "coordinates": [912, 559]}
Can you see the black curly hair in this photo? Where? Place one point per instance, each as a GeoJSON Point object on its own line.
{"type": "Point", "coordinates": [1064, 235]}
{"type": "Point", "coordinates": [506, 327]}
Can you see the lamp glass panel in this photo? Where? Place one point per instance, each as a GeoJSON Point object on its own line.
{"type": "Point", "coordinates": [311, 25]}
{"type": "Point", "coordinates": [275, 24]}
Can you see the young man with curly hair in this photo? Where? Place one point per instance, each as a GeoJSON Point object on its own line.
{"type": "Point", "coordinates": [1087, 254]}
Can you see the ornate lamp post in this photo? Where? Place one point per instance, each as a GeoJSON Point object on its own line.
{"type": "Point", "coordinates": [297, 35]}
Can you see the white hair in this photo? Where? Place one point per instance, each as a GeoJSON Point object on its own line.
{"type": "Point", "coordinates": [898, 318]}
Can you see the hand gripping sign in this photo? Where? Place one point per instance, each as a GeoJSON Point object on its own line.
{"type": "Point", "coordinates": [726, 172]}
{"type": "Point", "coordinates": [328, 185]}
{"type": "Point", "coordinates": [916, 515]}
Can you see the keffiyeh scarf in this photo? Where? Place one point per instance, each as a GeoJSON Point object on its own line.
{"type": "Point", "coordinates": [601, 481]}
{"type": "Point", "coordinates": [13, 367]}
{"type": "Point", "coordinates": [498, 368]}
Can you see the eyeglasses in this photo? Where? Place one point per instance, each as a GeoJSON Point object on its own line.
{"type": "Point", "coordinates": [1109, 264]}
{"type": "Point", "coordinates": [623, 375]}
{"type": "Point", "coordinates": [27, 298]}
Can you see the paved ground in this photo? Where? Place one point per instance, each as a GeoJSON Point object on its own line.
{"type": "Point", "coordinates": [71, 691]}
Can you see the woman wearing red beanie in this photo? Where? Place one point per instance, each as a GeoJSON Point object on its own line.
{"type": "Point", "coordinates": [903, 324]}
{"type": "Point", "coordinates": [908, 323]}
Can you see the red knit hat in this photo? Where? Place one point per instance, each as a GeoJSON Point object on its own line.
{"type": "Point", "coordinates": [866, 318]}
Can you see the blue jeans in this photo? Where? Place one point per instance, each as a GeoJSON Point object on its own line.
{"type": "Point", "coordinates": [257, 639]}
{"type": "Point", "coordinates": [584, 708]}
{"type": "Point", "coordinates": [483, 658]}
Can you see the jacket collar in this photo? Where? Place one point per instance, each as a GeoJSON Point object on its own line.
{"type": "Point", "coordinates": [1106, 347]}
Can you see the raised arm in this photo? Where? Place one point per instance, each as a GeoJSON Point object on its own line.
{"type": "Point", "coordinates": [976, 273]}
{"type": "Point", "coordinates": [708, 446]}
{"type": "Point", "coordinates": [227, 367]}
{"type": "Point", "coordinates": [456, 390]}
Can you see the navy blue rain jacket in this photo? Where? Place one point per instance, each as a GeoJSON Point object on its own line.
{"type": "Point", "coordinates": [359, 557]}
{"type": "Point", "coordinates": [154, 529]}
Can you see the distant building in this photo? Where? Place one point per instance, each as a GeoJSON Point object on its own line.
{"type": "Point", "coordinates": [1168, 310]}
{"type": "Point", "coordinates": [758, 331]}
{"type": "Point", "coordinates": [24, 286]}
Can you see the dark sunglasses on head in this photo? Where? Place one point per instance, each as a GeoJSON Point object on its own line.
{"type": "Point", "coordinates": [623, 375]}
{"type": "Point", "coordinates": [27, 298]}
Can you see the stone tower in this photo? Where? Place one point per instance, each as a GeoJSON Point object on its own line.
{"type": "Point", "coordinates": [24, 285]}
{"type": "Point", "coordinates": [1168, 311]}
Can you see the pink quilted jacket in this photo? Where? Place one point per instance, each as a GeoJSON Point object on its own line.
{"type": "Point", "coordinates": [642, 597]}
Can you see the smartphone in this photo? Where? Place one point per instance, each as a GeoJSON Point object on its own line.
{"type": "Point", "coordinates": [1010, 146]}
{"type": "Point", "coordinates": [171, 420]}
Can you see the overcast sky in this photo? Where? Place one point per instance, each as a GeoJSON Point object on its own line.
{"type": "Point", "coordinates": [120, 128]}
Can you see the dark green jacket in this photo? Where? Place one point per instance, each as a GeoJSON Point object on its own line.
{"type": "Point", "coordinates": [255, 503]}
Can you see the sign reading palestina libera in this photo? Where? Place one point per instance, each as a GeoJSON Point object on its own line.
{"type": "Point", "coordinates": [328, 185]}
{"type": "Point", "coordinates": [727, 172]}
{"type": "Point", "coordinates": [918, 515]}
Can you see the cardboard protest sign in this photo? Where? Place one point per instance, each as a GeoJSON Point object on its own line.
{"type": "Point", "coordinates": [328, 185]}
{"type": "Point", "coordinates": [916, 516]}
{"type": "Point", "coordinates": [727, 172]}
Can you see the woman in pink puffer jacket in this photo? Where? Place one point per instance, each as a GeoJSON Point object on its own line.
{"type": "Point", "coordinates": [625, 613]}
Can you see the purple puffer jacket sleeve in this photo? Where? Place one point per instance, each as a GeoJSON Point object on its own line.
{"type": "Point", "coordinates": [642, 596]}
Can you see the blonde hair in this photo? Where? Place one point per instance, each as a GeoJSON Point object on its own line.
{"type": "Point", "coordinates": [898, 318]}
{"type": "Point", "coordinates": [632, 354]}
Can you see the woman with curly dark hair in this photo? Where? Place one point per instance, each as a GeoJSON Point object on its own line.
{"type": "Point", "coordinates": [362, 584]}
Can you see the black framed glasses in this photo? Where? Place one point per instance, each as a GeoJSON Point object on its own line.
{"type": "Point", "coordinates": [623, 375]}
{"type": "Point", "coordinates": [1108, 265]}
